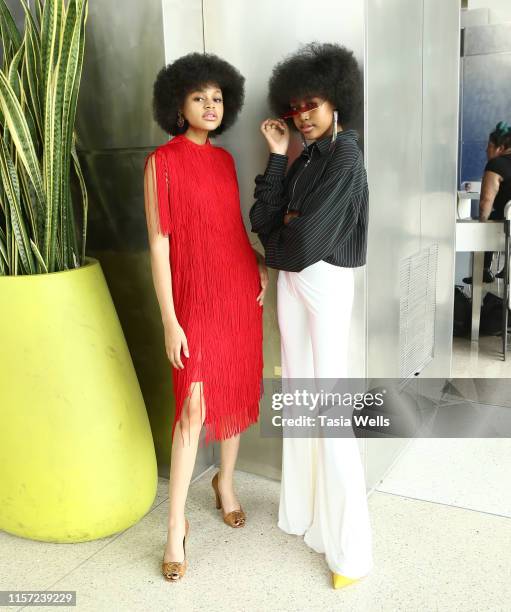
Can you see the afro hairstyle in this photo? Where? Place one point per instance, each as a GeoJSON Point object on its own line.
{"type": "Point", "coordinates": [327, 70]}
{"type": "Point", "coordinates": [188, 73]}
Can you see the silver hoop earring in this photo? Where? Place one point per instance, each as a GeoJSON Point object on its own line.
{"type": "Point", "coordinates": [180, 119]}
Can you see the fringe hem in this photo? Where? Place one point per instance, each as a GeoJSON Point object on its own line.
{"type": "Point", "coordinates": [222, 428]}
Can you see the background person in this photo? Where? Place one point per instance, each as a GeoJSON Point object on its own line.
{"type": "Point", "coordinates": [495, 187]}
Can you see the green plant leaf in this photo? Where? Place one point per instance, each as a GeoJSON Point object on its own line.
{"type": "Point", "coordinates": [70, 64]}
{"type": "Point", "coordinates": [4, 260]}
{"type": "Point", "coordinates": [14, 70]}
{"type": "Point", "coordinates": [28, 15]}
{"type": "Point", "coordinates": [39, 87]}
{"type": "Point", "coordinates": [50, 31]}
{"type": "Point", "coordinates": [85, 198]}
{"type": "Point", "coordinates": [27, 200]}
{"type": "Point", "coordinates": [38, 255]}
{"type": "Point", "coordinates": [20, 134]}
{"type": "Point", "coordinates": [10, 30]}
{"type": "Point", "coordinates": [12, 191]}
{"type": "Point", "coordinates": [32, 70]}
{"type": "Point", "coordinates": [39, 11]}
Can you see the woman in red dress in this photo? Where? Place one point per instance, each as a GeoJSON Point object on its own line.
{"type": "Point", "coordinates": [209, 282]}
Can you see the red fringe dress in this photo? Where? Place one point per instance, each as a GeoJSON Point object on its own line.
{"type": "Point", "coordinates": [215, 283]}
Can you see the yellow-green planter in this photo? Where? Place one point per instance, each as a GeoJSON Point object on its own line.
{"type": "Point", "coordinates": [77, 459]}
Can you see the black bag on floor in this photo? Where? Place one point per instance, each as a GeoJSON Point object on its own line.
{"type": "Point", "coordinates": [491, 315]}
{"type": "Point", "coordinates": [462, 312]}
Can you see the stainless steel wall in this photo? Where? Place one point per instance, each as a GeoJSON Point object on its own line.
{"type": "Point", "coordinates": [411, 72]}
{"type": "Point", "coordinates": [125, 48]}
{"type": "Point", "coordinates": [411, 151]}
{"type": "Point", "coordinates": [440, 103]}
{"type": "Point", "coordinates": [254, 40]}
{"type": "Point", "coordinates": [412, 80]}
{"type": "Point", "coordinates": [409, 49]}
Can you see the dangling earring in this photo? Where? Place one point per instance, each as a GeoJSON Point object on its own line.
{"type": "Point", "coordinates": [334, 128]}
{"type": "Point", "coordinates": [180, 119]}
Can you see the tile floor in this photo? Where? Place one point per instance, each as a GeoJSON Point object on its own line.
{"type": "Point", "coordinates": [481, 359]}
{"type": "Point", "coordinates": [441, 529]}
{"type": "Point", "coordinates": [428, 557]}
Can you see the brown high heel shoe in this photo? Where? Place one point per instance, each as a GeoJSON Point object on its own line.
{"type": "Point", "coordinates": [235, 518]}
{"type": "Point", "coordinates": [175, 570]}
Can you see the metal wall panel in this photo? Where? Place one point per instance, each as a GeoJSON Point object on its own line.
{"type": "Point", "coordinates": [393, 158]}
{"type": "Point", "coordinates": [393, 150]}
{"type": "Point", "coordinates": [440, 103]}
{"type": "Point", "coordinates": [411, 126]}
{"type": "Point", "coordinates": [412, 80]}
{"type": "Point", "coordinates": [410, 108]}
{"type": "Point", "coordinates": [125, 48]}
{"type": "Point", "coordinates": [241, 36]}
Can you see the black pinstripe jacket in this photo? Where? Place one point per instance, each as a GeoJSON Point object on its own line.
{"type": "Point", "coordinates": [329, 188]}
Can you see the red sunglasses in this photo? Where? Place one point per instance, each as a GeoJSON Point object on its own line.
{"type": "Point", "coordinates": [304, 108]}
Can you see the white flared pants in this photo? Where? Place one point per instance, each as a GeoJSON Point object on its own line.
{"type": "Point", "coordinates": [323, 494]}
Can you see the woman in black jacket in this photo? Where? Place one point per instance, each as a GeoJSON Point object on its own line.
{"type": "Point", "coordinates": [312, 222]}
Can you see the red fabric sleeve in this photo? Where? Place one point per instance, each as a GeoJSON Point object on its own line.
{"type": "Point", "coordinates": [161, 178]}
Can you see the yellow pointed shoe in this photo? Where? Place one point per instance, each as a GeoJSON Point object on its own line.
{"type": "Point", "coordinates": [340, 581]}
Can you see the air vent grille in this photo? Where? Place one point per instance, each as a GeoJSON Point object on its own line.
{"type": "Point", "coordinates": [417, 304]}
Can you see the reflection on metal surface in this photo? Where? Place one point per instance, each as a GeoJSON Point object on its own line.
{"type": "Point", "coordinates": [440, 104]}
{"type": "Point", "coordinates": [412, 76]}
{"type": "Point", "coordinates": [411, 127]}
{"type": "Point", "coordinates": [124, 51]}
{"type": "Point", "coordinates": [116, 194]}
{"type": "Point", "coordinates": [238, 36]}
{"type": "Point", "coordinates": [393, 158]}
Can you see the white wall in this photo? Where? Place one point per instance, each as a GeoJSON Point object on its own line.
{"type": "Point", "coordinates": [500, 10]}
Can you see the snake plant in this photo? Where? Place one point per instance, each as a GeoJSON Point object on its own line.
{"type": "Point", "coordinates": [39, 84]}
